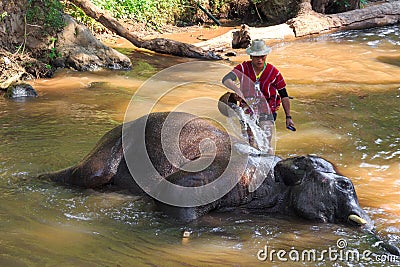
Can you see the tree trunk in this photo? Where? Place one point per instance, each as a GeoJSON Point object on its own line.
{"type": "Point", "coordinates": [160, 45]}
{"type": "Point", "coordinates": [309, 22]}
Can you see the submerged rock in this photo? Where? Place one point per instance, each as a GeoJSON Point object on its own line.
{"type": "Point", "coordinates": [21, 90]}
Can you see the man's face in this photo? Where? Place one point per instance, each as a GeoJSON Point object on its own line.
{"type": "Point", "coordinates": [258, 61]}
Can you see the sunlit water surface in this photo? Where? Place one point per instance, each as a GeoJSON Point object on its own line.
{"type": "Point", "coordinates": [346, 90]}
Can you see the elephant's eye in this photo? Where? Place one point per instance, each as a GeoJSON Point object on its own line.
{"type": "Point", "coordinates": [344, 184]}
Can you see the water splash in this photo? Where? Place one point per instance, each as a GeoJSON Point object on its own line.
{"type": "Point", "coordinates": [257, 134]}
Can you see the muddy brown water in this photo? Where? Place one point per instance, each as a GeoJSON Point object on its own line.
{"type": "Point", "coordinates": [346, 90]}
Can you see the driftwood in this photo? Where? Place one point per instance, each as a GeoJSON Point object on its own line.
{"type": "Point", "coordinates": [241, 38]}
{"type": "Point", "coordinates": [309, 22]}
{"type": "Point", "coordinates": [160, 45]}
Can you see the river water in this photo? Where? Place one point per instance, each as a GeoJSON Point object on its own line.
{"type": "Point", "coordinates": [346, 89]}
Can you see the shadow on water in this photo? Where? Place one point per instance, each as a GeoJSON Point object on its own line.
{"type": "Point", "coordinates": [345, 108]}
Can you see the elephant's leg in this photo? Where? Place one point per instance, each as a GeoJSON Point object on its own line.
{"type": "Point", "coordinates": [97, 168]}
{"type": "Point", "coordinates": [184, 214]}
{"type": "Point", "coordinates": [190, 180]}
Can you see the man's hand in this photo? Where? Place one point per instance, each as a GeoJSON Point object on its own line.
{"type": "Point", "coordinates": [290, 123]}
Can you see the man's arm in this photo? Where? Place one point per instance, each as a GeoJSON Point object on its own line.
{"type": "Point", "coordinates": [286, 106]}
{"type": "Point", "coordinates": [228, 81]}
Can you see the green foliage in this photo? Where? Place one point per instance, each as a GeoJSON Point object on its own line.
{"type": "Point", "coordinates": [53, 51]}
{"type": "Point", "coordinates": [47, 13]}
{"type": "Point", "coordinates": [217, 6]}
{"type": "Point", "coordinates": [153, 13]}
{"type": "Point", "coordinates": [3, 15]}
{"type": "Point", "coordinates": [363, 3]}
{"type": "Point", "coordinates": [345, 3]}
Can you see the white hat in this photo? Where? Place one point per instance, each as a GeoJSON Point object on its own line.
{"type": "Point", "coordinates": [258, 48]}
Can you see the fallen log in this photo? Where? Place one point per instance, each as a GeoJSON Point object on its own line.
{"type": "Point", "coordinates": [160, 45]}
{"type": "Point", "coordinates": [309, 22]}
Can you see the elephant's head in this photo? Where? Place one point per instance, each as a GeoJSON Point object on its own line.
{"type": "Point", "coordinates": [317, 192]}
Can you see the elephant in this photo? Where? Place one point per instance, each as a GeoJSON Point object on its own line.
{"type": "Point", "coordinates": [308, 186]}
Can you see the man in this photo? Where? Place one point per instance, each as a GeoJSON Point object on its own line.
{"type": "Point", "coordinates": [259, 79]}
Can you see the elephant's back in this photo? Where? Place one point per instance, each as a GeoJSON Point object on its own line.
{"type": "Point", "coordinates": [174, 139]}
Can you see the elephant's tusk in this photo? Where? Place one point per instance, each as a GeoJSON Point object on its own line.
{"type": "Point", "coordinates": [357, 219]}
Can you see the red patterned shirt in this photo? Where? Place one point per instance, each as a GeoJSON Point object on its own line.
{"type": "Point", "coordinates": [270, 81]}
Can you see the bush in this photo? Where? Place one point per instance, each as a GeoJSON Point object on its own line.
{"type": "Point", "coordinates": [153, 13]}
{"type": "Point", "coordinates": [47, 13]}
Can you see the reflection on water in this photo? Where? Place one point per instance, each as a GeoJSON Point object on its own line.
{"type": "Point", "coordinates": [346, 91]}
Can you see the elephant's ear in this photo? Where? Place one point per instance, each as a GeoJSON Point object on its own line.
{"type": "Point", "coordinates": [226, 101]}
{"type": "Point", "coordinates": [291, 171]}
